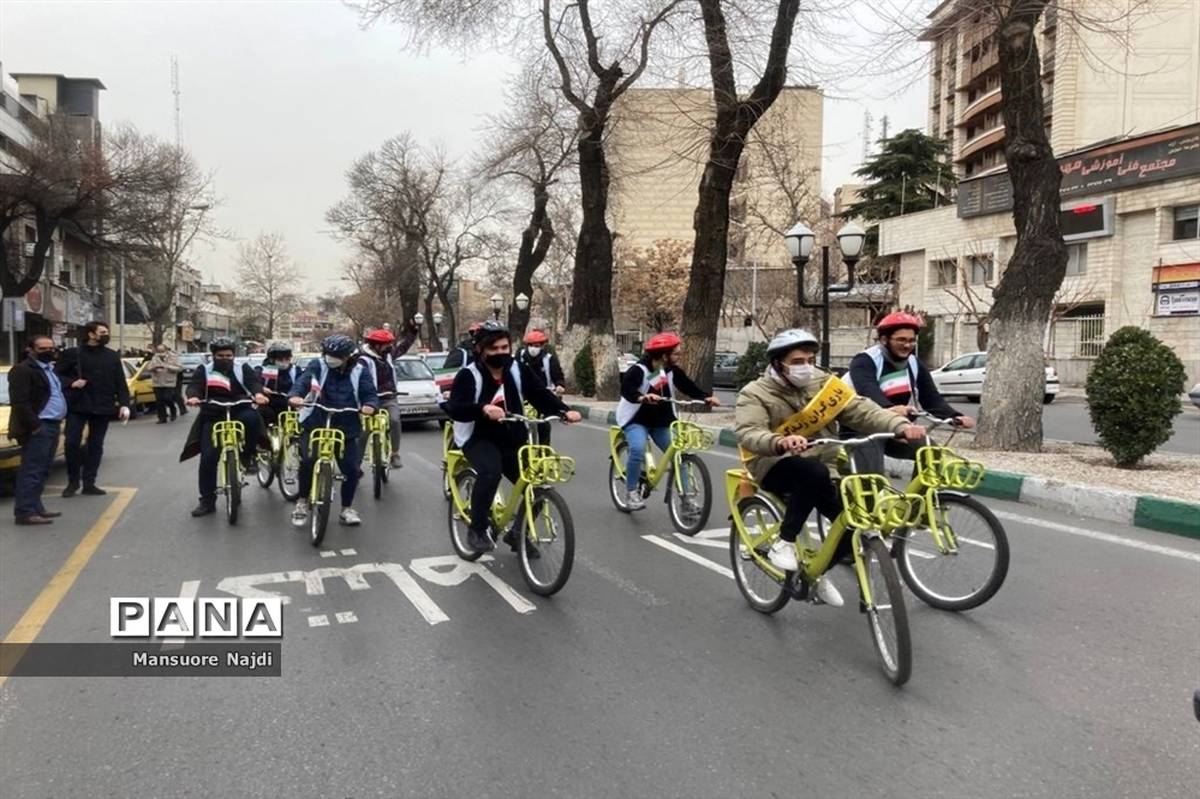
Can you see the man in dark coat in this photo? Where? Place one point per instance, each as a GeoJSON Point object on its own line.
{"type": "Point", "coordinates": [96, 390]}
{"type": "Point", "coordinates": [38, 408]}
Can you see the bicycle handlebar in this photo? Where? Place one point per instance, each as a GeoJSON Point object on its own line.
{"type": "Point", "coordinates": [852, 442]}
{"type": "Point", "coordinates": [937, 421]}
{"type": "Point", "coordinates": [327, 409]}
{"type": "Point", "coordinates": [386, 394]}
{"type": "Point", "coordinates": [516, 417]}
{"type": "Point", "coordinates": [233, 404]}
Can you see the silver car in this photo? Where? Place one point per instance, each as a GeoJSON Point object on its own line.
{"type": "Point", "coordinates": [418, 393]}
{"type": "Point", "coordinates": [964, 375]}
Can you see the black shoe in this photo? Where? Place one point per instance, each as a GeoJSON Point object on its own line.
{"type": "Point", "coordinates": [480, 542]}
{"type": "Point", "coordinates": [93, 491]}
{"type": "Point", "coordinates": [514, 543]}
{"type": "Point", "coordinates": [34, 519]}
{"type": "Point", "coordinates": [161, 421]}
{"type": "Point", "coordinates": [50, 514]}
{"type": "Point", "coordinates": [71, 490]}
{"type": "Point", "coordinates": [204, 508]}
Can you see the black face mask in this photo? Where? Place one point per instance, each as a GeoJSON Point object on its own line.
{"type": "Point", "coordinates": [46, 357]}
{"type": "Point", "coordinates": [103, 341]}
{"type": "Point", "coordinates": [223, 364]}
{"type": "Point", "coordinates": [499, 360]}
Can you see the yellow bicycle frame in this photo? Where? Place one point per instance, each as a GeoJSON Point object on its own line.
{"type": "Point", "coordinates": [940, 468]}
{"type": "Point", "coordinates": [378, 424]}
{"type": "Point", "coordinates": [329, 444]}
{"type": "Point", "coordinates": [686, 437]}
{"type": "Point", "coordinates": [540, 465]}
{"type": "Point", "coordinates": [227, 436]}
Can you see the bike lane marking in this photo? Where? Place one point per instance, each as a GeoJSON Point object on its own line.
{"type": "Point", "coordinates": [1132, 543]}
{"type": "Point", "coordinates": [692, 556]}
{"type": "Point", "coordinates": [30, 625]}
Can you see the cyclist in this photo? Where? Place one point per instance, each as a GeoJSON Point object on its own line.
{"type": "Point", "coordinates": [484, 391]}
{"type": "Point", "coordinates": [464, 353]}
{"type": "Point", "coordinates": [784, 465]}
{"type": "Point", "coordinates": [338, 379]}
{"type": "Point", "coordinates": [890, 374]}
{"type": "Point", "coordinates": [378, 349]}
{"type": "Point", "coordinates": [643, 411]}
{"type": "Point", "coordinates": [277, 373]}
{"type": "Point", "coordinates": [220, 381]}
{"type": "Point", "coordinates": [543, 365]}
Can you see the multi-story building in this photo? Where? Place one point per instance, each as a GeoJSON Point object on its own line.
{"type": "Point", "coordinates": [1126, 128]}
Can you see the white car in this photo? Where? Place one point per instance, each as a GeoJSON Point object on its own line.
{"type": "Point", "coordinates": [963, 377]}
{"type": "Point", "coordinates": [625, 361]}
{"type": "Point", "coordinates": [418, 391]}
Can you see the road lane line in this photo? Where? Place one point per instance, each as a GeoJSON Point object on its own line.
{"type": "Point", "coordinates": [678, 550]}
{"type": "Point", "coordinates": [423, 460]}
{"type": "Point", "coordinates": [1132, 543]}
{"type": "Point", "coordinates": [704, 542]}
{"type": "Point", "coordinates": [187, 591]}
{"type": "Point", "coordinates": [30, 625]}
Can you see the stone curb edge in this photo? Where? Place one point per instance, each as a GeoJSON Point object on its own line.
{"type": "Point", "coordinates": [1140, 510]}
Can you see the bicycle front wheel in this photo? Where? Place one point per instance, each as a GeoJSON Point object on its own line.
{"type": "Point", "coordinates": [548, 549]}
{"type": "Point", "coordinates": [289, 471]}
{"type": "Point", "coordinates": [616, 480]}
{"type": "Point", "coordinates": [265, 468]}
{"type": "Point", "coordinates": [690, 507]}
{"type": "Point", "coordinates": [377, 466]}
{"type": "Point", "coordinates": [886, 615]}
{"type": "Point", "coordinates": [459, 516]}
{"type": "Point", "coordinates": [974, 564]}
{"type": "Point", "coordinates": [318, 518]}
{"type": "Point", "coordinates": [762, 590]}
{"type": "Point", "coordinates": [233, 487]}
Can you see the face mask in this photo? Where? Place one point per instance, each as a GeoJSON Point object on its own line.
{"type": "Point", "coordinates": [103, 340]}
{"type": "Point", "coordinates": [283, 364]}
{"type": "Point", "coordinates": [535, 351]}
{"type": "Point", "coordinates": [223, 364]}
{"type": "Point", "coordinates": [800, 373]}
{"type": "Point", "coordinates": [334, 362]}
{"type": "Point", "coordinates": [45, 357]}
{"type": "Point", "coordinates": [499, 360]}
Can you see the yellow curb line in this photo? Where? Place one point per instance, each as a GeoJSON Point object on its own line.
{"type": "Point", "coordinates": [35, 617]}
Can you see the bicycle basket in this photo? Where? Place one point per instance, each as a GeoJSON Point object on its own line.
{"type": "Point", "coordinates": [377, 422]}
{"type": "Point", "coordinates": [289, 423]}
{"type": "Point", "coordinates": [941, 467]}
{"type": "Point", "coordinates": [691, 437]}
{"type": "Point", "coordinates": [542, 464]}
{"type": "Point", "coordinates": [228, 434]}
{"type": "Point", "coordinates": [327, 442]}
{"type": "Point", "coordinates": [530, 412]}
{"type": "Point", "coordinates": [870, 503]}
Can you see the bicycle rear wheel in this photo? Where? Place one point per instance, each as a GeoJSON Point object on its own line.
{"type": "Point", "coordinates": [689, 509]}
{"type": "Point", "coordinates": [233, 487]}
{"type": "Point", "coordinates": [548, 550]}
{"type": "Point", "coordinates": [762, 591]}
{"type": "Point", "coordinates": [318, 518]}
{"type": "Point", "coordinates": [265, 466]}
{"type": "Point", "coordinates": [458, 518]}
{"type": "Point", "coordinates": [377, 466]}
{"type": "Point", "coordinates": [289, 470]}
{"type": "Point", "coordinates": [971, 572]}
{"type": "Point", "coordinates": [887, 616]}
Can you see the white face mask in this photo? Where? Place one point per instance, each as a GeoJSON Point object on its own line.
{"type": "Point", "coordinates": [800, 373]}
{"type": "Point", "coordinates": [535, 351]}
{"type": "Point", "coordinates": [333, 362]}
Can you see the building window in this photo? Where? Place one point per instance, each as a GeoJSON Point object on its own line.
{"type": "Point", "coordinates": [1187, 222]}
{"type": "Point", "coordinates": [943, 273]}
{"type": "Point", "coordinates": [1076, 259]}
{"type": "Point", "coordinates": [981, 269]}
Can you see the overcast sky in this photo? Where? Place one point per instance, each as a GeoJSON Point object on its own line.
{"type": "Point", "coordinates": [279, 98]}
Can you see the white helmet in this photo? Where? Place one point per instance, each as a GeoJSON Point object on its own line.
{"type": "Point", "coordinates": [789, 340]}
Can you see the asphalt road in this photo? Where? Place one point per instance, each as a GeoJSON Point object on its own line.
{"type": "Point", "coordinates": [1067, 420]}
{"type": "Point", "coordinates": [647, 676]}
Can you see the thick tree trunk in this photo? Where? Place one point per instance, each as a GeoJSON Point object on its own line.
{"type": "Point", "coordinates": [535, 243]}
{"type": "Point", "coordinates": [591, 292]}
{"type": "Point", "coordinates": [430, 334]}
{"type": "Point", "coordinates": [1010, 417]}
{"type": "Point", "coordinates": [449, 315]}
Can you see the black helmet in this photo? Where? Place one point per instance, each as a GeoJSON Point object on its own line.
{"type": "Point", "coordinates": [490, 331]}
{"type": "Point", "coordinates": [222, 343]}
{"type": "Point", "coordinates": [338, 345]}
{"type": "Point", "coordinates": [279, 349]}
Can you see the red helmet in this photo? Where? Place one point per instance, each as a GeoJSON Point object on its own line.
{"type": "Point", "coordinates": [896, 320]}
{"type": "Point", "coordinates": [380, 336]}
{"type": "Point", "coordinates": [536, 337]}
{"type": "Point", "coordinates": [662, 342]}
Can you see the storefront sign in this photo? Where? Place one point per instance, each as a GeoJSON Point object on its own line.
{"type": "Point", "coordinates": [1177, 290]}
{"type": "Point", "coordinates": [57, 310]}
{"type": "Point", "coordinates": [1177, 303]}
{"type": "Point", "coordinates": [1132, 162]}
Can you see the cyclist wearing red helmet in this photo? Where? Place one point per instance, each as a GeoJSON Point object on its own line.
{"type": "Point", "coordinates": [544, 365]}
{"type": "Point", "coordinates": [890, 374]}
{"type": "Point", "coordinates": [379, 349]}
{"type": "Point", "coordinates": [643, 411]}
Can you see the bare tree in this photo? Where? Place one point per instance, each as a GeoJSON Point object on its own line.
{"type": "Point", "coordinates": [268, 279]}
{"type": "Point", "coordinates": [653, 281]}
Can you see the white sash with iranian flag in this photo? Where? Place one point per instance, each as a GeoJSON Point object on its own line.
{"type": "Point", "coordinates": [498, 400]}
{"type": "Point", "coordinates": [895, 383]}
{"type": "Point", "coordinates": [270, 373]}
{"type": "Point", "coordinates": [816, 415]}
{"type": "Point", "coordinates": [217, 380]}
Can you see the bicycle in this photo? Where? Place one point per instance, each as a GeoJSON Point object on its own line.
{"type": "Point", "coordinates": [378, 451]}
{"type": "Point", "coordinates": [447, 447]}
{"type": "Point", "coordinates": [534, 512]}
{"type": "Point", "coordinates": [282, 462]}
{"type": "Point", "coordinates": [228, 437]}
{"type": "Point", "coordinates": [935, 567]}
{"type": "Point", "coordinates": [329, 443]}
{"type": "Point", "coordinates": [689, 494]}
{"type": "Point", "coordinates": [872, 510]}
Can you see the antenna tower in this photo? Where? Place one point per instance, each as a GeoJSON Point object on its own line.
{"type": "Point", "coordinates": [884, 134]}
{"type": "Point", "coordinates": [175, 92]}
{"type": "Point", "coordinates": [866, 136]}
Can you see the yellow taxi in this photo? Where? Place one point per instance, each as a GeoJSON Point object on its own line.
{"type": "Point", "coordinates": [10, 450]}
{"type": "Point", "coordinates": [141, 387]}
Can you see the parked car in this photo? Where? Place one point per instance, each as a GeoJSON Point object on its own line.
{"type": "Point", "coordinates": [625, 361]}
{"type": "Point", "coordinates": [303, 359]}
{"type": "Point", "coordinates": [725, 369]}
{"type": "Point", "coordinates": [442, 376]}
{"type": "Point", "coordinates": [963, 377]}
{"type": "Point", "coordinates": [1194, 395]}
{"type": "Point", "coordinates": [10, 450]}
{"type": "Point", "coordinates": [415, 379]}
{"type": "Point", "coordinates": [189, 361]}
{"type": "Point", "coordinates": [141, 387]}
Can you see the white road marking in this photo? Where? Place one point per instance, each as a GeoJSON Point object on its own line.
{"type": "Point", "coordinates": [328, 553]}
{"type": "Point", "coordinates": [1157, 549]}
{"type": "Point", "coordinates": [346, 617]}
{"type": "Point", "coordinates": [318, 621]}
{"type": "Point", "coordinates": [349, 552]}
{"type": "Point", "coordinates": [983, 544]}
{"type": "Point", "coordinates": [459, 571]}
{"type": "Point", "coordinates": [187, 591]}
{"type": "Point", "coordinates": [704, 542]}
{"type": "Point", "coordinates": [692, 556]}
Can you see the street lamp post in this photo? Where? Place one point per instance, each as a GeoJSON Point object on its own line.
{"type": "Point", "coordinates": [497, 303]}
{"type": "Point", "coordinates": [418, 320]}
{"type": "Point", "coordinates": [437, 327]}
{"type": "Point", "coordinates": [799, 241]}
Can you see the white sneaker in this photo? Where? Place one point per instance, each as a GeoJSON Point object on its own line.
{"type": "Point", "coordinates": [300, 513]}
{"type": "Point", "coordinates": [396, 464]}
{"type": "Point", "coordinates": [827, 592]}
{"type": "Point", "coordinates": [635, 501]}
{"type": "Point", "coordinates": [349, 517]}
{"type": "Point", "coordinates": [783, 555]}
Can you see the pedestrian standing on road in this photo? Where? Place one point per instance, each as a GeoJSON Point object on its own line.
{"type": "Point", "coordinates": [890, 375]}
{"type": "Point", "coordinates": [180, 399]}
{"type": "Point", "coordinates": [35, 421]}
{"type": "Point", "coordinates": [164, 371]}
{"type": "Point", "coordinates": [96, 392]}
{"type": "Point", "coordinates": [544, 365]}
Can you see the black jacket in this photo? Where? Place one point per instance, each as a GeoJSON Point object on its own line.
{"type": "Point", "coordinates": [460, 356]}
{"type": "Point", "coordinates": [661, 414]}
{"type": "Point", "coordinates": [28, 391]}
{"type": "Point", "coordinates": [537, 365]}
{"type": "Point", "coordinates": [463, 407]}
{"type": "Point", "coordinates": [866, 383]}
{"type": "Point", "coordinates": [106, 389]}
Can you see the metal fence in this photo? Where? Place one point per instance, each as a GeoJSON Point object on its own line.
{"type": "Point", "coordinates": [1076, 337]}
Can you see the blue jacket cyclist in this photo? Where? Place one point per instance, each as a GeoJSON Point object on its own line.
{"type": "Point", "coordinates": [336, 380]}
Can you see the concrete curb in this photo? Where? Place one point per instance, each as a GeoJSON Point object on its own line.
{"type": "Point", "coordinates": [1106, 504]}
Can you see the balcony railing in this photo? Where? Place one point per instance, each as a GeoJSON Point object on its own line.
{"type": "Point", "coordinates": [977, 68]}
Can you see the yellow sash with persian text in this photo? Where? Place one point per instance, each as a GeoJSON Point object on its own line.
{"type": "Point", "coordinates": [820, 411]}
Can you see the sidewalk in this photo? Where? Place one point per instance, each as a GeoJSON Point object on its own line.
{"type": "Point", "coordinates": [1163, 494]}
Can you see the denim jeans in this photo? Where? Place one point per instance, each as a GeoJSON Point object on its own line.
{"type": "Point", "coordinates": [37, 454]}
{"type": "Point", "coordinates": [637, 435]}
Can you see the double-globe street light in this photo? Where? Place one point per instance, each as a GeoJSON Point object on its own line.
{"type": "Point", "coordinates": [497, 301]}
{"type": "Point", "coordinates": [799, 241]}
